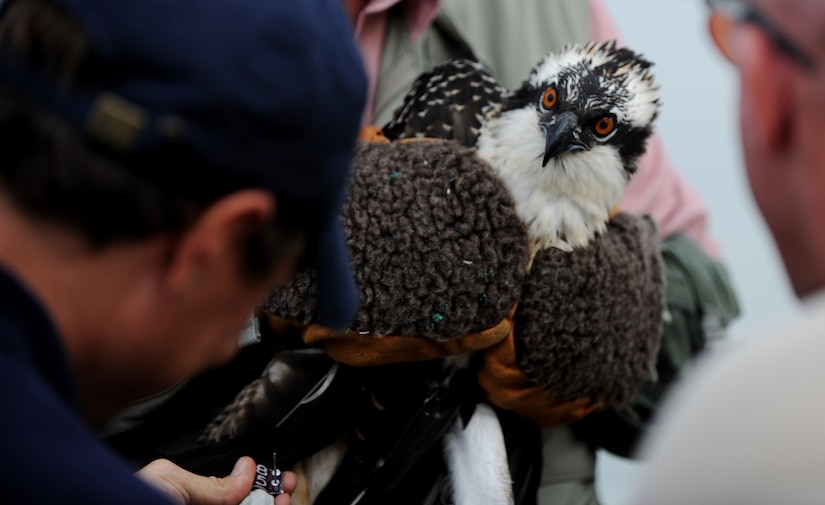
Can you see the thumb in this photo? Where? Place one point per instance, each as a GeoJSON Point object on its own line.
{"type": "Point", "coordinates": [229, 490]}
{"type": "Point", "coordinates": [188, 488]}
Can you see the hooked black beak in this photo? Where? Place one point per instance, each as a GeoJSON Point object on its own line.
{"type": "Point", "coordinates": [559, 136]}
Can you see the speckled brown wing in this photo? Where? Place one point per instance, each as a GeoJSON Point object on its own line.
{"type": "Point", "coordinates": [448, 102]}
{"type": "Point", "coordinates": [267, 401]}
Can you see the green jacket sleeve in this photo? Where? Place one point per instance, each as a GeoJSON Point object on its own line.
{"type": "Point", "coordinates": [701, 303]}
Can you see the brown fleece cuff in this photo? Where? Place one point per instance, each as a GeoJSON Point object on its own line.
{"type": "Point", "coordinates": [356, 349]}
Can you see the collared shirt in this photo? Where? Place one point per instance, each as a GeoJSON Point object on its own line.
{"type": "Point", "coordinates": [371, 27]}
{"type": "Point", "coordinates": [49, 454]}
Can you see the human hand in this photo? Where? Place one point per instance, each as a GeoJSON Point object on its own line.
{"type": "Point", "coordinates": [187, 488]}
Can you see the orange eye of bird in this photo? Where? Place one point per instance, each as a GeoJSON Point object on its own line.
{"type": "Point", "coordinates": [550, 97]}
{"type": "Point", "coordinates": [604, 126]}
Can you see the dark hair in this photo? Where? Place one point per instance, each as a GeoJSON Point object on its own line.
{"type": "Point", "coordinates": [51, 171]}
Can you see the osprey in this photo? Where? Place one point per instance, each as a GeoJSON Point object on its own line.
{"type": "Point", "coordinates": [565, 143]}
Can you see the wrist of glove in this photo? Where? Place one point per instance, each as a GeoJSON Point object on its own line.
{"type": "Point", "coordinates": [357, 349]}
{"type": "Point", "coordinates": [508, 388]}
{"type": "Point", "coordinates": [500, 377]}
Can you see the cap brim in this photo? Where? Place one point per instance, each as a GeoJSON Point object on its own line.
{"type": "Point", "coordinates": [337, 290]}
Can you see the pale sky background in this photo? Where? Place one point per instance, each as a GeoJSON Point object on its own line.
{"type": "Point", "coordinates": [699, 124]}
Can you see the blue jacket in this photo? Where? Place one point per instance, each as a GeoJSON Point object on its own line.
{"type": "Point", "coordinates": [48, 455]}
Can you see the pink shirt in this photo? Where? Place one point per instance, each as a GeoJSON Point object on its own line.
{"type": "Point", "coordinates": [656, 189]}
{"type": "Point", "coordinates": [370, 28]}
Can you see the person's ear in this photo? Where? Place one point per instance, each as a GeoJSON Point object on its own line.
{"type": "Point", "coordinates": [766, 90]}
{"type": "Point", "coordinates": [213, 245]}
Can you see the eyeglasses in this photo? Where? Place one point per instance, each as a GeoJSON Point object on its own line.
{"type": "Point", "coordinates": [726, 13]}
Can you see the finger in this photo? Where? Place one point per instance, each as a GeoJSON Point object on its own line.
{"type": "Point", "coordinates": [229, 490]}
{"type": "Point", "coordinates": [290, 482]}
{"type": "Point", "coordinates": [190, 489]}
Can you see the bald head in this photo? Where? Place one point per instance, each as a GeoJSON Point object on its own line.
{"type": "Point", "coordinates": [782, 115]}
{"type": "Point", "coordinates": [802, 20]}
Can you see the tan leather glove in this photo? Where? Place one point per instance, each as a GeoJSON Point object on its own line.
{"type": "Point", "coordinates": [500, 376]}
{"type": "Point", "coordinates": [508, 388]}
{"type": "Point", "coordinates": [353, 348]}
{"type": "Point", "coordinates": [372, 133]}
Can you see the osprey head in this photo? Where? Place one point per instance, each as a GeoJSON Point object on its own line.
{"type": "Point", "coordinates": [589, 97]}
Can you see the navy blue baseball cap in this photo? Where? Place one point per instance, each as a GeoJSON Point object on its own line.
{"type": "Point", "coordinates": [266, 91]}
